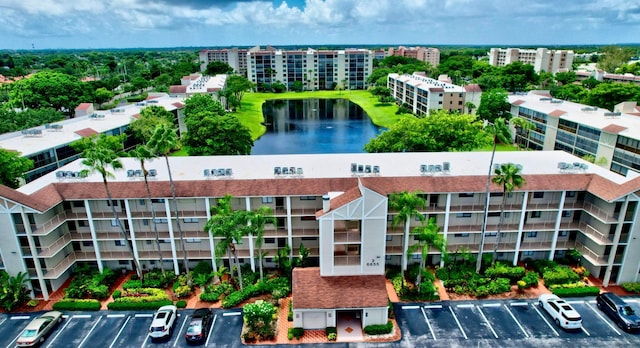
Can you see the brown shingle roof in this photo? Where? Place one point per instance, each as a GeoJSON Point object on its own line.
{"type": "Point", "coordinates": [345, 198]}
{"type": "Point", "coordinates": [473, 88]}
{"type": "Point", "coordinates": [557, 113]}
{"type": "Point", "coordinates": [436, 89]}
{"type": "Point", "coordinates": [518, 102]}
{"type": "Point", "coordinates": [310, 290]}
{"type": "Point", "coordinates": [178, 89]}
{"type": "Point", "coordinates": [84, 106]}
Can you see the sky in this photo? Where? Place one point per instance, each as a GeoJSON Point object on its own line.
{"type": "Point", "coordinates": [91, 24]}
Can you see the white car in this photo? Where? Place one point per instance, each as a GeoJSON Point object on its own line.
{"type": "Point", "coordinates": [562, 313]}
{"type": "Point", "coordinates": [163, 322]}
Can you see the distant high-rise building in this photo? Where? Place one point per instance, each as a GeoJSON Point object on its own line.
{"type": "Point", "coordinates": [235, 57]}
{"type": "Point", "coordinates": [428, 54]}
{"type": "Point", "coordinates": [542, 59]}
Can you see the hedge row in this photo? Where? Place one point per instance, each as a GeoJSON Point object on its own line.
{"type": "Point", "coordinates": [379, 329]}
{"type": "Point", "coordinates": [126, 306]}
{"type": "Point", "coordinates": [273, 286]}
{"type": "Point", "coordinates": [69, 304]}
{"type": "Point", "coordinates": [631, 287]}
{"type": "Point", "coordinates": [576, 292]}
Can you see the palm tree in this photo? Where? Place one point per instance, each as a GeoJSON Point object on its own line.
{"type": "Point", "coordinates": [13, 290]}
{"type": "Point", "coordinates": [164, 140]}
{"type": "Point", "coordinates": [142, 153]}
{"type": "Point", "coordinates": [227, 224]}
{"type": "Point", "coordinates": [522, 125]}
{"type": "Point", "coordinates": [427, 236]}
{"type": "Point", "coordinates": [508, 176]}
{"type": "Point", "coordinates": [256, 220]}
{"type": "Point", "coordinates": [99, 154]}
{"type": "Point", "coordinates": [407, 205]}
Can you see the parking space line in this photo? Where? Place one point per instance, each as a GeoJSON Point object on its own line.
{"type": "Point", "coordinates": [211, 329]}
{"type": "Point", "coordinates": [519, 304]}
{"type": "Point", "coordinates": [228, 314]}
{"type": "Point", "coordinates": [3, 320]}
{"type": "Point", "coordinates": [592, 301]}
{"type": "Point", "coordinates": [410, 307]}
{"type": "Point", "coordinates": [143, 315]}
{"type": "Point", "coordinates": [467, 305]}
{"type": "Point", "coordinates": [82, 316]}
{"type": "Point", "coordinates": [604, 320]}
{"type": "Point", "coordinates": [20, 317]}
{"type": "Point", "coordinates": [184, 321]}
{"type": "Point", "coordinates": [115, 315]}
{"type": "Point", "coordinates": [68, 321]}
{"type": "Point", "coordinates": [433, 307]}
{"type": "Point", "coordinates": [428, 324]}
{"type": "Point", "coordinates": [90, 331]}
{"type": "Point", "coordinates": [119, 332]}
{"type": "Point", "coordinates": [545, 320]}
{"type": "Point", "coordinates": [585, 331]}
{"type": "Point", "coordinates": [517, 322]}
{"type": "Point", "coordinates": [488, 323]}
{"type": "Point", "coordinates": [458, 322]}
{"type": "Point", "coordinates": [491, 305]}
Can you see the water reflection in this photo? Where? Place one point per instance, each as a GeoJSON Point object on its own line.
{"type": "Point", "coordinates": [314, 126]}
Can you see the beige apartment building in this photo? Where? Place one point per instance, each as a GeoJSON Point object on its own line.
{"type": "Point", "coordinates": [334, 204]}
{"type": "Point", "coordinates": [542, 59]}
{"type": "Point", "coordinates": [426, 54]}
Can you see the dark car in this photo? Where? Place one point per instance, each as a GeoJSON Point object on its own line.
{"type": "Point", "coordinates": [618, 310]}
{"type": "Point", "coordinates": [199, 326]}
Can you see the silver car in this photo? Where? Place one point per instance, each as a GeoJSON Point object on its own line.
{"type": "Point", "coordinates": [38, 329]}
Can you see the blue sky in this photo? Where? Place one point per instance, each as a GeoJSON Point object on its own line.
{"type": "Point", "coordinates": [210, 23]}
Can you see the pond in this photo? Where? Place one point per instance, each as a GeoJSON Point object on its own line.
{"type": "Point", "coordinates": [309, 126]}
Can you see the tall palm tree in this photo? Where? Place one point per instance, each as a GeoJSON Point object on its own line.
{"type": "Point", "coordinates": [522, 125]}
{"type": "Point", "coordinates": [427, 236]}
{"type": "Point", "coordinates": [99, 154]}
{"type": "Point", "coordinates": [508, 176]}
{"type": "Point", "coordinates": [143, 154]}
{"type": "Point", "coordinates": [230, 226]}
{"type": "Point", "coordinates": [164, 140]}
{"type": "Point", "coordinates": [407, 205]}
{"type": "Point", "coordinates": [256, 220]}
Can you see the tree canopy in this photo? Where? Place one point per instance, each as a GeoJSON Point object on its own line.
{"type": "Point", "coordinates": [150, 117]}
{"type": "Point", "coordinates": [441, 131]}
{"type": "Point", "coordinates": [48, 89]}
{"type": "Point", "coordinates": [11, 121]}
{"type": "Point", "coordinates": [237, 86]}
{"type": "Point", "coordinates": [202, 103]}
{"type": "Point", "coordinates": [13, 168]}
{"type": "Point", "coordinates": [217, 67]}
{"type": "Point", "coordinates": [213, 134]}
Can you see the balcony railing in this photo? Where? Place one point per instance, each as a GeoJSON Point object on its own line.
{"type": "Point", "coordinates": [55, 247]}
{"type": "Point", "coordinates": [590, 255]}
{"type": "Point", "coordinates": [348, 236]}
{"type": "Point", "coordinates": [346, 260]}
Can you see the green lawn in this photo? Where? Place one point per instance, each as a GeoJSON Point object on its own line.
{"type": "Point", "coordinates": [383, 115]}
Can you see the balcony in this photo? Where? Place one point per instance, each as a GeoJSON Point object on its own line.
{"type": "Point", "coordinates": [346, 260]}
{"type": "Point", "coordinates": [594, 234]}
{"type": "Point", "coordinates": [59, 219]}
{"type": "Point", "coordinates": [68, 261]}
{"type": "Point", "coordinates": [593, 258]}
{"type": "Point", "coordinates": [346, 236]}
{"type": "Point", "coordinates": [55, 247]}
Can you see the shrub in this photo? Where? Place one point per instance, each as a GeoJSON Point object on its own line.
{"type": "Point", "coordinates": [499, 286]}
{"type": "Point", "coordinates": [297, 332]}
{"type": "Point", "coordinates": [77, 305]}
{"type": "Point", "coordinates": [258, 317]}
{"type": "Point", "coordinates": [132, 284]}
{"type": "Point", "coordinates": [576, 292]}
{"type": "Point", "coordinates": [290, 314]}
{"type": "Point", "coordinates": [541, 266]}
{"type": "Point", "coordinates": [181, 304]}
{"type": "Point", "coordinates": [260, 288]}
{"type": "Point", "coordinates": [182, 291]}
{"type": "Point", "coordinates": [33, 303]}
{"type": "Point", "coordinates": [482, 291]}
{"type": "Point", "coordinates": [213, 293]}
{"type": "Point", "coordinates": [379, 329]}
{"type": "Point", "coordinates": [331, 332]}
{"type": "Point", "coordinates": [290, 333]}
{"type": "Point", "coordinates": [560, 275]}
{"type": "Point", "coordinates": [530, 279]}
{"type": "Point", "coordinates": [127, 306]}
{"type": "Point", "coordinates": [332, 336]}
{"type": "Point", "coordinates": [501, 270]}
{"type": "Point", "coordinates": [203, 267]}
{"type": "Point", "coordinates": [631, 287]}
{"type": "Point", "coordinates": [116, 294]}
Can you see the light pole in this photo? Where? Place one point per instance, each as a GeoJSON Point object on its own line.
{"type": "Point", "coordinates": [486, 203]}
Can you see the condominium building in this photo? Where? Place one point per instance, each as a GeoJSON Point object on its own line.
{"type": "Point", "coordinates": [48, 146]}
{"type": "Point", "coordinates": [426, 54]}
{"type": "Point", "coordinates": [542, 59]}
{"type": "Point", "coordinates": [198, 84]}
{"type": "Point", "coordinates": [336, 205]}
{"type": "Point", "coordinates": [234, 57]}
{"type": "Point", "coordinates": [602, 76]}
{"type": "Point", "coordinates": [424, 94]}
{"type": "Point", "coordinates": [612, 139]}
{"type": "Point", "coordinates": [313, 69]}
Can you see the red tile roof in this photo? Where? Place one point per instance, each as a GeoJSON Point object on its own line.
{"type": "Point", "coordinates": [436, 89]}
{"type": "Point", "coordinates": [178, 89]}
{"type": "Point", "coordinates": [518, 102]}
{"type": "Point", "coordinates": [213, 89]}
{"type": "Point", "coordinates": [179, 105]}
{"type": "Point", "coordinates": [473, 88]}
{"type": "Point", "coordinates": [84, 106]}
{"type": "Point", "coordinates": [614, 128]}
{"type": "Point", "coordinates": [557, 113]}
{"type": "Point", "coordinates": [343, 199]}
{"type": "Point", "coordinates": [87, 132]}
{"type": "Point", "coordinates": [310, 290]}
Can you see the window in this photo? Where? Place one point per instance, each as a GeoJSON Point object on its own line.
{"type": "Point", "coordinates": [496, 194]}
{"type": "Point", "coordinates": [193, 240]}
{"type": "Point", "coordinates": [309, 238]}
{"type": "Point", "coordinates": [387, 257]}
{"type": "Point", "coordinates": [87, 243]}
{"type": "Point", "coordinates": [308, 218]}
{"type": "Point", "coordinates": [416, 256]}
{"type": "Point", "coordinates": [571, 193]}
{"type": "Point", "coordinates": [532, 234]}
{"type": "Point", "coordinates": [157, 200]}
{"type": "Point", "coordinates": [457, 235]}
{"type": "Point", "coordinates": [463, 215]}
{"type": "Point", "coordinates": [389, 238]}
{"type": "Point", "coordinates": [112, 203]}
{"type": "Point", "coordinates": [566, 213]}
{"type": "Point", "coordinates": [142, 202]}
{"type": "Point", "coordinates": [424, 216]}
{"type": "Point", "coordinates": [269, 240]}
{"type": "Point", "coordinates": [536, 214]}
{"type": "Point", "coordinates": [538, 195]}
{"type": "Point", "coordinates": [191, 220]}
{"type": "Point", "coordinates": [467, 194]}
{"type": "Point", "coordinates": [120, 243]}
{"type": "Point", "coordinates": [494, 214]}
{"type": "Point", "coordinates": [78, 204]}
{"type": "Point", "coordinates": [83, 223]}
{"type": "Point", "coordinates": [160, 221]}
{"type": "Point", "coordinates": [115, 222]}
{"type": "Point", "coordinates": [491, 234]}
{"type": "Point", "coordinates": [563, 233]}
{"type": "Point", "coordinates": [307, 198]}
{"type": "Point", "coordinates": [145, 222]}
{"type": "Point", "coordinates": [527, 253]}
{"type": "Point", "coordinates": [267, 200]}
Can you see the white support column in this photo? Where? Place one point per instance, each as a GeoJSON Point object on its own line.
{"type": "Point", "coordinates": [34, 253]}
{"type": "Point", "coordinates": [289, 231]}
{"type": "Point", "coordinates": [132, 233]}
{"type": "Point", "coordinates": [94, 237]}
{"type": "Point", "coordinates": [247, 203]}
{"type": "Point", "coordinates": [523, 216]}
{"type": "Point", "coordinates": [556, 228]}
{"type": "Point", "coordinates": [616, 241]}
{"type": "Point", "coordinates": [214, 264]}
{"type": "Point", "coordinates": [405, 245]}
{"type": "Point", "coordinates": [445, 229]}
{"type": "Point", "coordinates": [174, 257]}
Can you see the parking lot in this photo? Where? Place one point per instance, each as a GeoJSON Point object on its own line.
{"type": "Point", "coordinates": [489, 323]}
{"type": "Point", "coordinates": [121, 329]}
{"type": "Point", "coordinates": [506, 323]}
